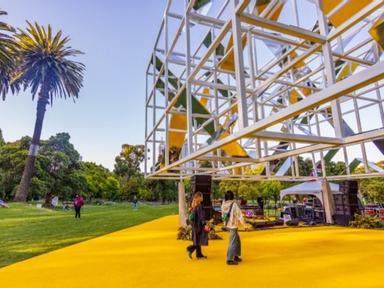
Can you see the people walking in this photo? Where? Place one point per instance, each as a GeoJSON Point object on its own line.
{"type": "Point", "coordinates": [78, 202]}
{"type": "Point", "coordinates": [199, 228]}
{"type": "Point", "coordinates": [232, 217]}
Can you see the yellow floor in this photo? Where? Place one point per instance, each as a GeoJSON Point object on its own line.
{"type": "Point", "coordinates": [149, 256]}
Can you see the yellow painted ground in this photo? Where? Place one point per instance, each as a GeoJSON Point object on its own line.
{"type": "Point", "coordinates": [149, 256]}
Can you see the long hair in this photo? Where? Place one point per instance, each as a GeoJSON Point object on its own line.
{"type": "Point", "coordinates": [196, 200]}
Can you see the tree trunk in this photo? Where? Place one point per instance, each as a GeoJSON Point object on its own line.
{"type": "Point", "coordinates": [22, 191]}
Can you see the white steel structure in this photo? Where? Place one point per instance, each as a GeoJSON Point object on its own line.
{"type": "Point", "coordinates": [239, 89]}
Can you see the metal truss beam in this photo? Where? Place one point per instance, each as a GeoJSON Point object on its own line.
{"type": "Point", "coordinates": [282, 28]}
{"type": "Point", "coordinates": [330, 93]}
{"type": "Point", "coordinates": [372, 135]}
{"type": "Point", "coordinates": [297, 138]}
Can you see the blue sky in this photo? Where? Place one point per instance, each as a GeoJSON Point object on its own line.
{"type": "Point", "coordinates": [117, 37]}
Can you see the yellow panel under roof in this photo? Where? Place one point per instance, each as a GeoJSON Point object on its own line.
{"type": "Point", "coordinates": [349, 9]}
{"type": "Point", "coordinates": [377, 31]}
{"type": "Point", "coordinates": [228, 61]}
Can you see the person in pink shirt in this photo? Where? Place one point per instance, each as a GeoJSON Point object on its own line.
{"type": "Point", "coordinates": [78, 202]}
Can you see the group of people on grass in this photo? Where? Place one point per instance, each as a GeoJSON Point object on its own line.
{"type": "Point", "coordinates": [232, 218]}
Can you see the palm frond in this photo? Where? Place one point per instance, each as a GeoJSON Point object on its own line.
{"type": "Point", "coordinates": [46, 63]}
{"type": "Point", "coordinates": [8, 54]}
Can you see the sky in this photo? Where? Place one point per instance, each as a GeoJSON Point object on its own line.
{"type": "Point", "coordinates": [117, 37]}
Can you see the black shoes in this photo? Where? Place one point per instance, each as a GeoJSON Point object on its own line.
{"type": "Point", "coordinates": [235, 261]}
{"type": "Point", "coordinates": [189, 253]}
{"type": "Point", "coordinates": [202, 257]}
{"type": "Point", "coordinates": [238, 259]}
{"type": "Point", "coordinates": [232, 263]}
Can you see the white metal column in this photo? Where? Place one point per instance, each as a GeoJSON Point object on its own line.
{"type": "Point", "coordinates": [239, 67]}
{"type": "Point", "coordinates": [188, 83]}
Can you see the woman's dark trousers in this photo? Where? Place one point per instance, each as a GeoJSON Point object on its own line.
{"type": "Point", "coordinates": [77, 212]}
{"type": "Point", "coordinates": [192, 249]}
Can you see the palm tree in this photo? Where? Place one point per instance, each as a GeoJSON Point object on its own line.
{"type": "Point", "coordinates": [44, 66]}
{"type": "Point", "coordinates": [7, 56]}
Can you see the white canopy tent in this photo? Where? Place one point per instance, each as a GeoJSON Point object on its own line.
{"type": "Point", "coordinates": [309, 188]}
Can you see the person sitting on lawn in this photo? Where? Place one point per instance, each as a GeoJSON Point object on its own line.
{"type": "Point", "coordinates": [232, 217]}
{"type": "Point", "coordinates": [3, 204]}
{"type": "Point", "coordinates": [78, 203]}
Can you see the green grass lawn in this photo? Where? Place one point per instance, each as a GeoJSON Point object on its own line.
{"type": "Point", "coordinates": [27, 231]}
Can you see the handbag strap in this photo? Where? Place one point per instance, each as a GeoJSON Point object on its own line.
{"type": "Point", "coordinates": [229, 214]}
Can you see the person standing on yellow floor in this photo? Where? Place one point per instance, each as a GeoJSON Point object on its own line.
{"type": "Point", "coordinates": [198, 223]}
{"type": "Point", "coordinates": [232, 217]}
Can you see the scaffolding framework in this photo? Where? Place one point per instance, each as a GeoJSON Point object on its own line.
{"type": "Point", "coordinates": [241, 89]}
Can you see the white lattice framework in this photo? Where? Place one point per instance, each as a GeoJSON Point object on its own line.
{"type": "Point", "coordinates": [288, 85]}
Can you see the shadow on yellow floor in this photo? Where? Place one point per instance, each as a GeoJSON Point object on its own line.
{"type": "Point", "coordinates": [149, 256]}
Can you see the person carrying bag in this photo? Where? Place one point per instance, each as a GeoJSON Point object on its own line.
{"type": "Point", "coordinates": [232, 217]}
{"type": "Point", "coordinates": [200, 228]}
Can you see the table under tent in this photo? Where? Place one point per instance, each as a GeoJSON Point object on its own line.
{"type": "Point", "coordinates": [312, 211]}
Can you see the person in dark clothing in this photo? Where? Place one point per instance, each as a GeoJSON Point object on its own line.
{"type": "Point", "coordinates": [197, 219]}
{"type": "Point", "coordinates": [78, 203]}
{"type": "Point", "coordinates": [135, 201]}
{"type": "Point", "coordinates": [260, 202]}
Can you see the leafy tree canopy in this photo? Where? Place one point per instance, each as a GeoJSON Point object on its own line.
{"type": "Point", "coordinates": [128, 162]}
{"type": "Point", "coordinates": [2, 142]}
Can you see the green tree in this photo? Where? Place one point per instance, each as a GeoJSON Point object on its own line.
{"type": "Point", "coordinates": [45, 66]}
{"type": "Point", "coordinates": [58, 171]}
{"type": "Point", "coordinates": [12, 159]}
{"type": "Point", "coordinates": [59, 161]}
{"type": "Point", "coordinates": [216, 193]}
{"type": "Point", "coordinates": [145, 193]}
{"type": "Point", "coordinates": [127, 164]}
{"type": "Point", "coordinates": [7, 56]}
{"type": "Point", "coordinates": [335, 168]}
{"type": "Point", "coordinates": [2, 142]}
{"type": "Point", "coordinates": [111, 188]}
{"type": "Point", "coordinates": [127, 168]}
{"type": "Point", "coordinates": [373, 189]}
{"type": "Point", "coordinates": [250, 190]}
{"type": "Point", "coordinates": [132, 186]}
{"type": "Point", "coordinates": [187, 185]}
{"type": "Point", "coordinates": [305, 166]}
{"type": "Point", "coordinates": [96, 181]}
{"type": "Point", "coordinates": [229, 185]}
{"type": "Point", "coordinates": [271, 190]}
{"type": "Point", "coordinates": [61, 143]}
{"type": "Point", "coordinates": [163, 190]}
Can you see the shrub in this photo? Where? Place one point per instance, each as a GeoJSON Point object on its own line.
{"type": "Point", "coordinates": [185, 232]}
{"type": "Point", "coordinates": [368, 222]}
{"type": "Point", "coordinates": [212, 235]}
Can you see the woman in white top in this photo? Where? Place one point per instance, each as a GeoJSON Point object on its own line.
{"type": "Point", "coordinates": [232, 217]}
